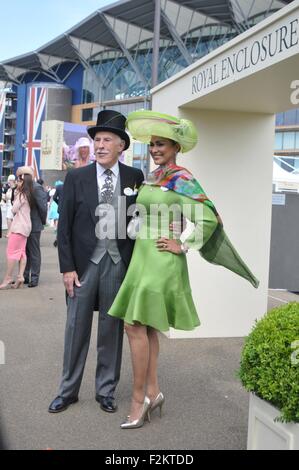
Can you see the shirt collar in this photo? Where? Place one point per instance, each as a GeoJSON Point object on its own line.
{"type": "Point", "coordinates": [114, 169]}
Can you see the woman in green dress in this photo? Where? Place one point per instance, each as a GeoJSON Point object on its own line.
{"type": "Point", "coordinates": [156, 294]}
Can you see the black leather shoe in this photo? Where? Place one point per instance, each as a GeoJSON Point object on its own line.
{"type": "Point", "coordinates": [61, 404]}
{"type": "Point", "coordinates": [26, 280]}
{"type": "Point", "coordinates": [32, 284]}
{"type": "Point", "coordinates": [107, 403]}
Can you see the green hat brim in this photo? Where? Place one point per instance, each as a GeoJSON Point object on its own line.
{"type": "Point", "coordinates": [143, 124]}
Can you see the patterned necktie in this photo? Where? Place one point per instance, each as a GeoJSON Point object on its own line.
{"type": "Point", "coordinates": [107, 188]}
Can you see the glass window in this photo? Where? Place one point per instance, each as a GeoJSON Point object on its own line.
{"type": "Point", "coordinates": [297, 140]}
{"type": "Point", "coordinates": [95, 112]}
{"type": "Point", "coordinates": [280, 119]}
{"type": "Point", "coordinates": [88, 97]}
{"type": "Point", "coordinates": [87, 114]}
{"type": "Point", "coordinates": [278, 140]}
{"type": "Point", "coordinates": [290, 117]}
{"type": "Point", "coordinates": [137, 163]}
{"type": "Point", "coordinates": [288, 140]}
{"type": "Point", "coordinates": [138, 149]}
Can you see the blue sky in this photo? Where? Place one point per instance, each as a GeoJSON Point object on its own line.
{"type": "Point", "coordinates": [26, 25]}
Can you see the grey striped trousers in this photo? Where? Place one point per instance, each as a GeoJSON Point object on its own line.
{"type": "Point", "coordinates": [105, 280]}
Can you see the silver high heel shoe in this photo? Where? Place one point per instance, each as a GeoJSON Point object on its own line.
{"type": "Point", "coordinates": [138, 423]}
{"type": "Point", "coordinates": [158, 403]}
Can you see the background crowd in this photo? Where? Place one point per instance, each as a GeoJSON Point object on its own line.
{"type": "Point", "coordinates": [26, 206]}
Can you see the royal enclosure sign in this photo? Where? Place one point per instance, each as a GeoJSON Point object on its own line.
{"type": "Point", "coordinates": [257, 52]}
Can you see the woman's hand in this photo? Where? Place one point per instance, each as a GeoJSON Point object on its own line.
{"type": "Point", "coordinates": [173, 246]}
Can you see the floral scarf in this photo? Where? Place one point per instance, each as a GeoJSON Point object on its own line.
{"type": "Point", "coordinates": [218, 249]}
{"type": "Point", "coordinates": [180, 180]}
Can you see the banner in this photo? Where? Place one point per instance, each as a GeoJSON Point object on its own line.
{"type": "Point", "coordinates": [52, 145]}
{"type": "Point", "coordinates": [59, 145]}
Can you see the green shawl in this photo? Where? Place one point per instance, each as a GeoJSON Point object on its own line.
{"type": "Point", "coordinates": [218, 249]}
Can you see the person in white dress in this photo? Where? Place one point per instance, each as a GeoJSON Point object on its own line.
{"type": "Point", "coordinates": [9, 198]}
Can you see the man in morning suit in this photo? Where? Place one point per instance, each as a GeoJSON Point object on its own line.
{"type": "Point", "coordinates": [94, 265]}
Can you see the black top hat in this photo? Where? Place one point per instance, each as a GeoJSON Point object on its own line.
{"type": "Point", "coordinates": [111, 121]}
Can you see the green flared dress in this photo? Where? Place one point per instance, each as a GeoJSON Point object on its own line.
{"type": "Point", "coordinates": [156, 290]}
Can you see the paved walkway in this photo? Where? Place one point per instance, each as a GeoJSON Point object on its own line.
{"type": "Point", "coordinates": [206, 407]}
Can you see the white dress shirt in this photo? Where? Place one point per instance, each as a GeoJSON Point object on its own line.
{"type": "Point", "coordinates": [101, 175]}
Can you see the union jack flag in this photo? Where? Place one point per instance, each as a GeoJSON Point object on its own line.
{"type": "Point", "coordinates": [36, 108]}
{"type": "Point", "coordinates": [2, 111]}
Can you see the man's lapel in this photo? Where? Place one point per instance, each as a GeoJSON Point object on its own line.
{"type": "Point", "coordinates": [124, 175]}
{"type": "Point", "coordinates": [90, 189]}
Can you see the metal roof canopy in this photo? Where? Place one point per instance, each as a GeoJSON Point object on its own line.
{"type": "Point", "coordinates": [61, 47]}
{"type": "Point", "coordinates": [141, 13]}
{"type": "Point", "coordinates": [97, 30]}
{"type": "Point", "coordinates": [220, 10]}
{"type": "Point", "coordinates": [3, 75]}
{"type": "Point", "coordinates": [28, 60]}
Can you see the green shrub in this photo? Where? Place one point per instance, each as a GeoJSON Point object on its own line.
{"type": "Point", "coordinates": [270, 360]}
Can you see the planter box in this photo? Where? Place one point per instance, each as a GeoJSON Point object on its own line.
{"type": "Point", "coordinates": [266, 434]}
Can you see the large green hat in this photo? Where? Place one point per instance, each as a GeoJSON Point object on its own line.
{"type": "Point", "coordinates": [143, 124]}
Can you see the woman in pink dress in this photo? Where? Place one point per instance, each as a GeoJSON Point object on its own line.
{"type": "Point", "coordinates": [20, 228]}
